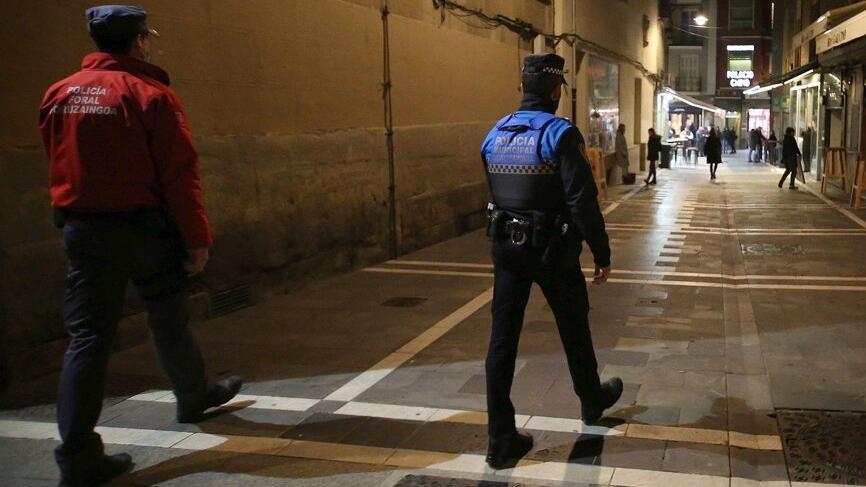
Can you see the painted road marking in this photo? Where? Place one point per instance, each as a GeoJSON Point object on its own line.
{"type": "Point", "coordinates": [539, 423]}
{"type": "Point", "coordinates": [258, 402]}
{"type": "Point", "coordinates": [372, 376]}
{"type": "Point", "coordinates": [371, 455]}
{"type": "Point", "coordinates": [832, 204]}
{"type": "Point", "coordinates": [709, 275]}
{"type": "Point", "coordinates": [653, 282]}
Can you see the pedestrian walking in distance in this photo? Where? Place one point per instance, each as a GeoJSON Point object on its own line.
{"type": "Point", "coordinates": [125, 191]}
{"type": "Point", "coordinates": [545, 203]}
{"type": "Point", "coordinates": [714, 152]}
{"type": "Point", "coordinates": [654, 148]}
{"type": "Point", "coordinates": [790, 157]}
{"type": "Point", "coordinates": [621, 146]}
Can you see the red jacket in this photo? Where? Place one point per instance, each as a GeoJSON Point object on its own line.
{"type": "Point", "coordinates": [118, 141]}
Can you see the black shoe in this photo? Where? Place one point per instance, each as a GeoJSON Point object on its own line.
{"type": "Point", "coordinates": [610, 394]}
{"type": "Point", "coordinates": [792, 187]}
{"type": "Point", "coordinates": [96, 472]}
{"type": "Point", "coordinates": [216, 395]}
{"type": "Point", "coordinates": [505, 451]}
{"type": "Point", "coordinates": [780, 185]}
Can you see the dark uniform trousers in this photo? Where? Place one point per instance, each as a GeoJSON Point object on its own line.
{"type": "Point", "coordinates": [104, 253]}
{"type": "Point", "coordinates": [564, 287]}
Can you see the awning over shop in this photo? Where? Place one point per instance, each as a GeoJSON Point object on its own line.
{"type": "Point", "coordinates": [829, 20]}
{"type": "Point", "coordinates": [693, 101]}
{"type": "Point", "coordinates": [780, 79]}
{"type": "Point", "coordinates": [847, 31]}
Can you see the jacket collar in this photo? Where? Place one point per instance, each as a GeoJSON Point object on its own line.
{"type": "Point", "coordinates": [119, 62]}
{"type": "Point", "coordinates": [534, 102]}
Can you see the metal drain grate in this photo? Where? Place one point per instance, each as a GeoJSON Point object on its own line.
{"type": "Point", "coordinates": [404, 302]}
{"type": "Point", "coordinates": [771, 249]}
{"type": "Point", "coordinates": [824, 446]}
{"type": "Point", "coordinates": [431, 481]}
{"type": "Point", "coordinates": [230, 300]}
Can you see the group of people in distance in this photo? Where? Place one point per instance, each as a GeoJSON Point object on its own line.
{"type": "Point", "coordinates": [712, 142]}
{"type": "Point", "coordinates": [708, 143]}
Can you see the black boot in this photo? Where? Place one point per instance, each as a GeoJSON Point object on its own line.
{"type": "Point", "coordinates": [505, 451]}
{"type": "Point", "coordinates": [98, 470]}
{"type": "Point", "coordinates": [216, 395]}
{"type": "Point", "coordinates": [611, 391]}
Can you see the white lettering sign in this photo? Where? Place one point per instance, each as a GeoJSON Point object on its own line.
{"type": "Point", "coordinates": [847, 31]}
{"type": "Point", "coordinates": [741, 75]}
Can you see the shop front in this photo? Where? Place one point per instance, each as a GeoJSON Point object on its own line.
{"type": "Point", "coordinates": [842, 51]}
{"type": "Point", "coordinates": [678, 112]}
{"type": "Point", "coordinates": [795, 100]}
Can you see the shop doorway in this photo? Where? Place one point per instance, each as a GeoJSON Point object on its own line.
{"type": "Point", "coordinates": [760, 117]}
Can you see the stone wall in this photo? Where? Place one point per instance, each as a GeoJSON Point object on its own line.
{"type": "Point", "coordinates": [285, 101]}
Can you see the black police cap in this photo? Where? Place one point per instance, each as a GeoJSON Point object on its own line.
{"type": "Point", "coordinates": [117, 21]}
{"type": "Point", "coordinates": [545, 64]}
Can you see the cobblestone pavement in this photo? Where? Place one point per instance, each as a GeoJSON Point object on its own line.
{"type": "Point", "coordinates": [730, 300]}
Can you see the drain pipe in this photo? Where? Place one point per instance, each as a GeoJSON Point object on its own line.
{"type": "Point", "coordinates": [389, 134]}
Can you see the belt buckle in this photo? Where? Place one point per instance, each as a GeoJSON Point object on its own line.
{"type": "Point", "coordinates": [517, 231]}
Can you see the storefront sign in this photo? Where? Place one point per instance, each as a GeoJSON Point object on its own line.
{"type": "Point", "coordinates": [815, 29]}
{"type": "Point", "coordinates": [845, 32]}
{"type": "Point", "coordinates": [740, 79]}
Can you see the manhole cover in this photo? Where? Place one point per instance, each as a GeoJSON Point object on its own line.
{"type": "Point", "coordinates": [404, 302]}
{"type": "Point", "coordinates": [771, 249]}
{"type": "Point", "coordinates": [431, 481]}
{"type": "Point", "coordinates": [824, 446]}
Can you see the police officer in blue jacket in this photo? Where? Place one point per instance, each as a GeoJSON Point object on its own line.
{"type": "Point", "coordinates": [544, 205]}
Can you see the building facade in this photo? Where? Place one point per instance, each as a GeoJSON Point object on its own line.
{"type": "Point", "coordinates": [817, 85]}
{"type": "Point", "coordinates": [614, 71]}
{"type": "Point", "coordinates": [744, 56]}
{"type": "Point", "coordinates": [690, 63]}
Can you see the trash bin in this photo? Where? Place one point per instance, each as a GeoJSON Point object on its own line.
{"type": "Point", "coordinates": [666, 157]}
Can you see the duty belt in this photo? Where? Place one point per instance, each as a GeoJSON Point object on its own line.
{"type": "Point", "coordinates": [518, 230]}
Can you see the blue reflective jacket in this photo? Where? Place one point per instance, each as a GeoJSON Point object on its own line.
{"type": "Point", "coordinates": [520, 157]}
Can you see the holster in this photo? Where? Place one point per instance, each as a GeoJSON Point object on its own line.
{"type": "Point", "coordinates": [543, 232]}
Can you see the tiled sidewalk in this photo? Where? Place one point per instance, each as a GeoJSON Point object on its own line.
{"type": "Point", "coordinates": [729, 300]}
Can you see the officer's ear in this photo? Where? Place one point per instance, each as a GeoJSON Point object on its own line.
{"type": "Point", "coordinates": [556, 94]}
{"type": "Point", "coordinates": [140, 47]}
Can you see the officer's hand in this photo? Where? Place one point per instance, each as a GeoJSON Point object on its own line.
{"type": "Point", "coordinates": [601, 274]}
{"type": "Point", "coordinates": [196, 259]}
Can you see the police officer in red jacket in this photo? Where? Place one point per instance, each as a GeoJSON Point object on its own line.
{"type": "Point", "coordinates": [125, 189]}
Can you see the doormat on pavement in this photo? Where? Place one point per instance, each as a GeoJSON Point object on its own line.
{"type": "Point", "coordinates": [404, 302]}
{"type": "Point", "coordinates": [432, 481]}
{"type": "Point", "coordinates": [824, 446]}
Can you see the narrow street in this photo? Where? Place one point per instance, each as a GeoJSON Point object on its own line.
{"type": "Point", "coordinates": [733, 307]}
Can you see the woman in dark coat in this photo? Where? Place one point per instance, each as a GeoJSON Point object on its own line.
{"type": "Point", "coordinates": [790, 154]}
{"type": "Point", "coordinates": [714, 152]}
{"type": "Point", "coordinates": [772, 141]}
{"type": "Point", "coordinates": [654, 147]}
